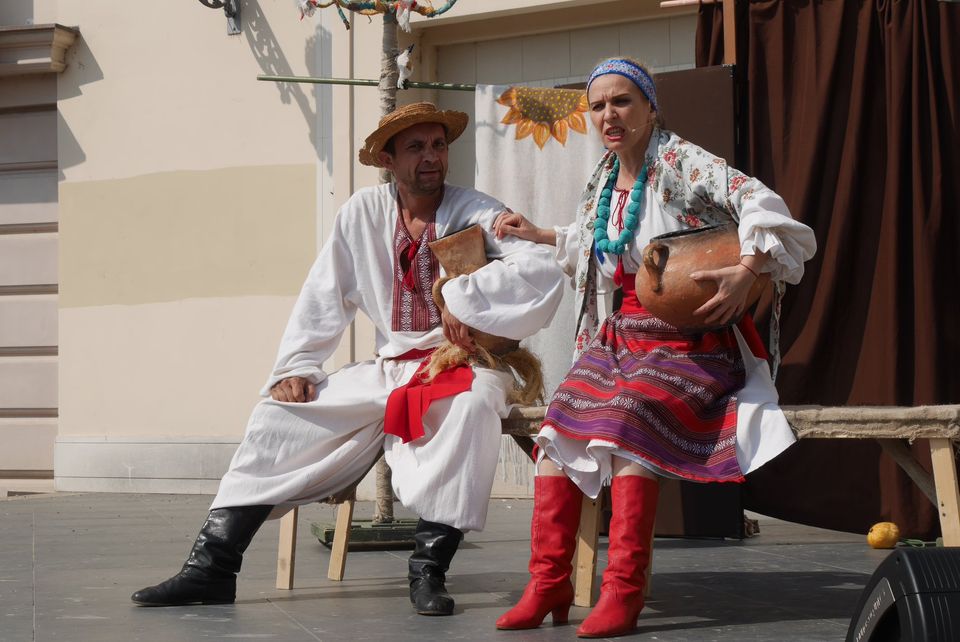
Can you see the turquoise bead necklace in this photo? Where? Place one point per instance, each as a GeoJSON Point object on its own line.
{"type": "Point", "coordinates": [630, 221]}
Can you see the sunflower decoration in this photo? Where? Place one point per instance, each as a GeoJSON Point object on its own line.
{"type": "Point", "coordinates": [545, 112]}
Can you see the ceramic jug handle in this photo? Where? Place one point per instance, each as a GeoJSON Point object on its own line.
{"type": "Point", "coordinates": [653, 260]}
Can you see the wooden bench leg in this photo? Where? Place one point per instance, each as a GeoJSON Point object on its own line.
{"type": "Point", "coordinates": [948, 495]}
{"type": "Point", "coordinates": [585, 567]}
{"type": "Point", "coordinates": [341, 539]}
{"type": "Point", "coordinates": [287, 553]}
{"type": "Point", "coordinates": [585, 559]}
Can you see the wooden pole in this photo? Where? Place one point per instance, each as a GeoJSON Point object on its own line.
{"type": "Point", "coordinates": [729, 32]}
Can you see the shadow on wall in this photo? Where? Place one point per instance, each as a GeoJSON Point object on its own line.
{"type": "Point", "coordinates": [82, 69]}
{"type": "Point", "coordinates": [269, 55]}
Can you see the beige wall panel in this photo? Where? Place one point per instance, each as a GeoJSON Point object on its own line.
{"type": "Point", "coordinates": [164, 237]}
{"type": "Point", "coordinates": [463, 152]}
{"type": "Point", "coordinates": [648, 42]}
{"type": "Point", "coordinates": [28, 197]}
{"type": "Point", "coordinates": [683, 35]}
{"type": "Point", "coordinates": [457, 63]}
{"type": "Point", "coordinates": [28, 382]}
{"type": "Point", "coordinates": [28, 320]}
{"type": "Point", "coordinates": [28, 137]}
{"type": "Point", "coordinates": [27, 443]}
{"type": "Point", "coordinates": [132, 104]}
{"type": "Point", "coordinates": [28, 259]}
{"type": "Point", "coordinates": [498, 61]}
{"type": "Point", "coordinates": [546, 56]}
{"type": "Point", "coordinates": [590, 46]}
{"type": "Point", "coordinates": [191, 367]}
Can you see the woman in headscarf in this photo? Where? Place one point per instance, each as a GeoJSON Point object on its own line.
{"type": "Point", "coordinates": [644, 399]}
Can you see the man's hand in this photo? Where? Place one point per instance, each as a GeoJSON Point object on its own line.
{"type": "Point", "coordinates": [455, 332]}
{"type": "Point", "coordinates": [294, 390]}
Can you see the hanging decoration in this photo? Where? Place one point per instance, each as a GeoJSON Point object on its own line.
{"type": "Point", "coordinates": [401, 9]}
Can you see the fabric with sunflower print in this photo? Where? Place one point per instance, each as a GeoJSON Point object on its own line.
{"type": "Point", "coordinates": [544, 112]}
{"type": "Point", "coordinates": [688, 187]}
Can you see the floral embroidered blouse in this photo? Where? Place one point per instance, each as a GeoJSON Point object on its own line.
{"type": "Point", "coordinates": [687, 187]}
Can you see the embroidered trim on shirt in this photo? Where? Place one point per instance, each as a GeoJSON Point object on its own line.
{"type": "Point", "coordinates": [413, 308]}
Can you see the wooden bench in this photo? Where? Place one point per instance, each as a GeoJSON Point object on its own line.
{"type": "Point", "coordinates": [890, 426]}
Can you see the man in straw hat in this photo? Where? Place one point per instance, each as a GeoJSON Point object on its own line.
{"type": "Point", "coordinates": [317, 433]}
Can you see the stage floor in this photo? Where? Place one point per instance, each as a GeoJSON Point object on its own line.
{"type": "Point", "coordinates": [69, 562]}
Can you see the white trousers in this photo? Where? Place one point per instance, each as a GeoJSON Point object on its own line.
{"type": "Point", "coordinates": [297, 453]}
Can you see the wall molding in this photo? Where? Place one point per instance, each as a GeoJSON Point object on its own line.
{"type": "Point", "coordinates": [194, 466]}
{"type": "Point", "coordinates": [35, 49]}
{"type": "Point", "coordinates": [141, 465]}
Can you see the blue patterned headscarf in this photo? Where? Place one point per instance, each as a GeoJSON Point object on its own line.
{"type": "Point", "coordinates": [627, 69]}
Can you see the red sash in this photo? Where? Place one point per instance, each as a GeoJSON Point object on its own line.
{"type": "Point", "coordinates": [407, 405]}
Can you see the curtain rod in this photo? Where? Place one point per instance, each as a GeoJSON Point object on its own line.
{"type": "Point", "coordinates": [449, 86]}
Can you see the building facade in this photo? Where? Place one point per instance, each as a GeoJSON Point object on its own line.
{"type": "Point", "coordinates": [178, 203]}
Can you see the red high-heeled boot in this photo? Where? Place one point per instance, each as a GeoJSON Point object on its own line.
{"type": "Point", "coordinates": [553, 538]}
{"type": "Point", "coordinates": [634, 500]}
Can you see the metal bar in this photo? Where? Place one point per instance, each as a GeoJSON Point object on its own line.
{"type": "Point", "coordinates": [449, 86]}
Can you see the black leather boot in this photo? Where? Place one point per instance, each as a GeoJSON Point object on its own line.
{"type": "Point", "coordinates": [209, 576]}
{"type": "Point", "coordinates": [435, 546]}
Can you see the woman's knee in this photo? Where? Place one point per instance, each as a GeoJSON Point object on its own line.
{"type": "Point", "coordinates": [623, 466]}
{"type": "Point", "coordinates": [547, 468]}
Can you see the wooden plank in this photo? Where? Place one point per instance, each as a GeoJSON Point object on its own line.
{"type": "Point", "coordinates": [878, 422]}
{"type": "Point", "coordinates": [729, 33]}
{"type": "Point", "coordinates": [341, 539]}
{"type": "Point", "coordinates": [816, 422]}
{"type": "Point", "coordinates": [901, 454]}
{"type": "Point", "coordinates": [585, 566]}
{"type": "Point", "coordinates": [948, 494]}
{"type": "Point", "coordinates": [287, 554]}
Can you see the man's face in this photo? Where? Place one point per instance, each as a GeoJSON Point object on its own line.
{"type": "Point", "coordinates": [419, 159]}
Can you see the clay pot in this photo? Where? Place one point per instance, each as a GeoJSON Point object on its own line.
{"type": "Point", "coordinates": [664, 286]}
{"type": "Point", "coordinates": [464, 252]}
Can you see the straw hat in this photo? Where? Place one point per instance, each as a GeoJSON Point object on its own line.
{"type": "Point", "coordinates": [401, 118]}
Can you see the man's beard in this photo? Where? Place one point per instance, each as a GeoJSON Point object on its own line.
{"type": "Point", "coordinates": [429, 186]}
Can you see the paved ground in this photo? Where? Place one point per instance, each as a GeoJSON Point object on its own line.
{"type": "Point", "coordinates": [68, 563]}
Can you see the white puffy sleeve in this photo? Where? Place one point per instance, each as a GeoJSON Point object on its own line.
{"type": "Point", "coordinates": [765, 223]}
{"type": "Point", "coordinates": [514, 296]}
{"type": "Point", "coordinates": [767, 226]}
{"type": "Point", "coordinates": [568, 249]}
{"type": "Point", "coordinates": [326, 306]}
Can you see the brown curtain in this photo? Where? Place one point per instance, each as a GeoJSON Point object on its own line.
{"type": "Point", "coordinates": [851, 113]}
